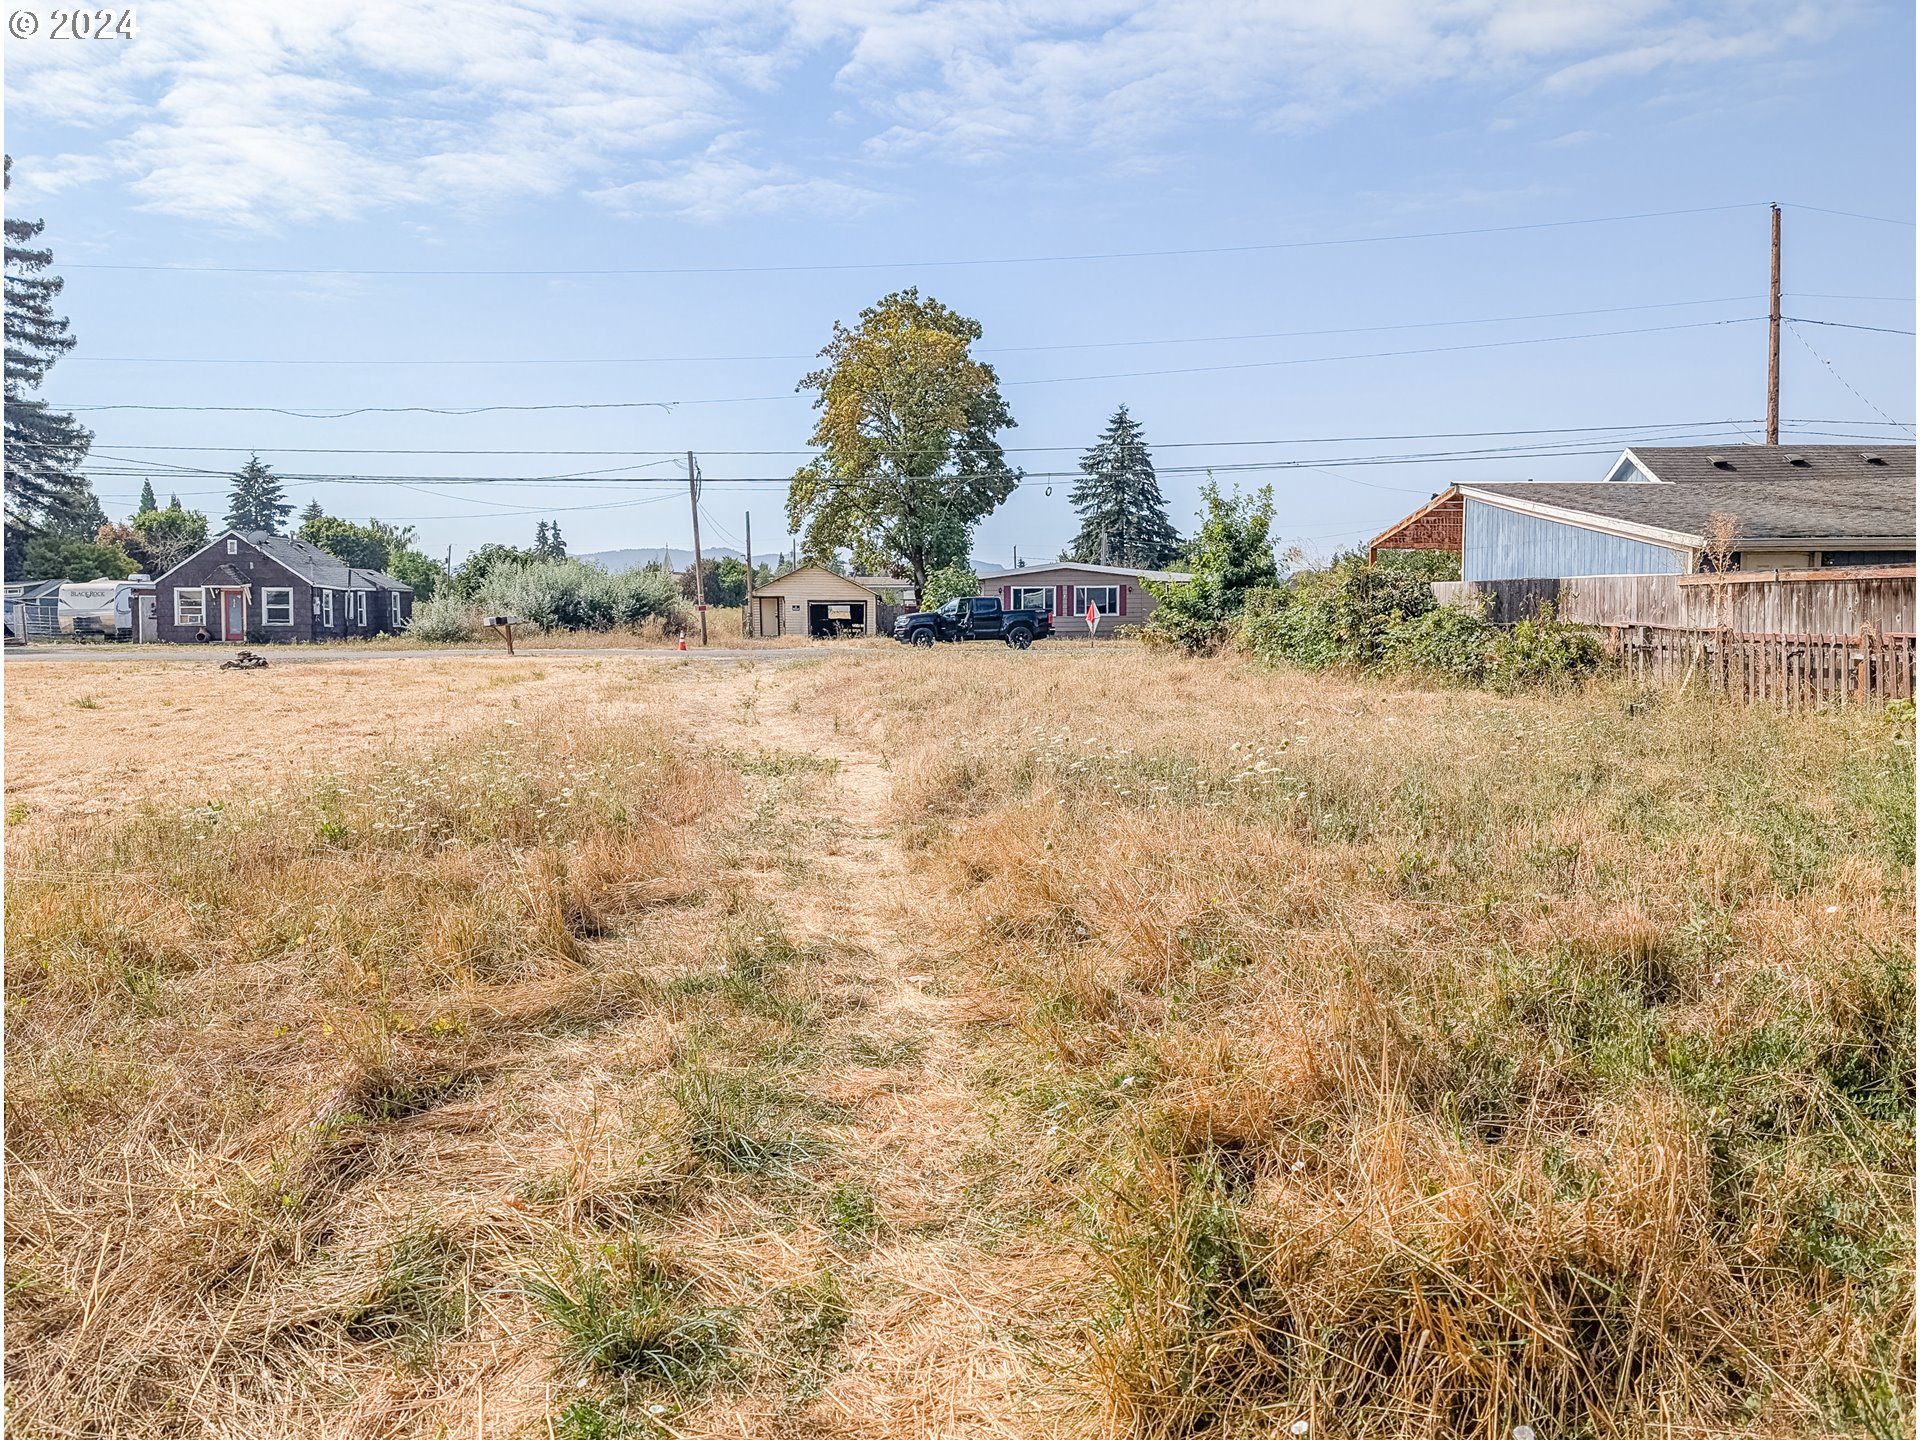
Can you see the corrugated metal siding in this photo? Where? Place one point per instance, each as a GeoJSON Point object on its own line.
{"type": "Point", "coordinates": [1502, 544]}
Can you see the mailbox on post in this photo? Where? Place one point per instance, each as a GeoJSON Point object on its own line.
{"type": "Point", "coordinates": [504, 624]}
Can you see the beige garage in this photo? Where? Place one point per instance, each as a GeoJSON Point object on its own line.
{"type": "Point", "coordinates": [813, 601]}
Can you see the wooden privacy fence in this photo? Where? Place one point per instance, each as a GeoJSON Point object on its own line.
{"type": "Point", "coordinates": [1796, 672]}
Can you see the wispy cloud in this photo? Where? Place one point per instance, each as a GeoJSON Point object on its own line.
{"type": "Point", "coordinates": [257, 116]}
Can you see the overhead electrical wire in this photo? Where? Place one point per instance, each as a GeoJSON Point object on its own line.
{"type": "Point", "coordinates": [313, 412]}
{"type": "Point", "coordinates": [984, 350]}
{"type": "Point", "coordinates": [835, 266]}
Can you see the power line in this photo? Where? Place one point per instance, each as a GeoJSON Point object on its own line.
{"type": "Point", "coordinates": [1843, 380]}
{"type": "Point", "coordinates": [1850, 214]}
{"type": "Point", "coordinates": [674, 455]}
{"type": "Point", "coordinates": [922, 264]}
{"type": "Point", "coordinates": [1843, 325]}
{"type": "Point", "coordinates": [319, 413]}
{"type": "Point", "coordinates": [985, 350]}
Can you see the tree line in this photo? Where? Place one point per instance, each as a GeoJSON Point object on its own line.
{"type": "Point", "coordinates": [910, 461]}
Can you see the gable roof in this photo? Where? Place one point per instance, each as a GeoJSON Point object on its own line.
{"type": "Point", "coordinates": [315, 565]}
{"type": "Point", "coordinates": [774, 586]}
{"type": "Point", "coordinates": [1043, 568]}
{"type": "Point", "coordinates": [1844, 465]}
{"type": "Point", "coordinates": [1871, 511]}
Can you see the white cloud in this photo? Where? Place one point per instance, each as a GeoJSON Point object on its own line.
{"type": "Point", "coordinates": [255, 116]}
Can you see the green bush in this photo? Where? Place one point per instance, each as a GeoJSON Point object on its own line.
{"type": "Point", "coordinates": [1382, 615]}
{"type": "Point", "coordinates": [955, 582]}
{"type": "Point", "coordinates": [445, 619]}
{"type": "Point", "coordinates": [1230, 559]}
{"type": "Point", "coordinates": [572, 595]}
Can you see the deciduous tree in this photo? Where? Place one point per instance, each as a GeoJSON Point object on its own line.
{"type": "Point", "coordinates": [909, 456]}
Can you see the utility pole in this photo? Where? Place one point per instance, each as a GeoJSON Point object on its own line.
{"type": "Point", "coordinates": [1773, 341]}
{"type": "Point", "coordinates": [699, 571]}
{"type": "Point", "coordinates": [749, 607]}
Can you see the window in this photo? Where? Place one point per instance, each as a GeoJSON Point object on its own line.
{"type": "Point", "coordinates": [233, 546]}
{"type": "Point", "coordinates": [276, 607]}
{"type": "Point", "coordinates": [326, 608]}
{"type": "Point", "coordinates": [399, 617]}
{"type": "Point", "coordinates": [316, 604]}
{"type": "Point", "coordinates": [1033, 597]}
{"type": "Point", "coordinates": [1103, 598]}
{"type": "Point", "coordinates": [189, 606]}
{"type": "Point", "coordinates": [359, 598]}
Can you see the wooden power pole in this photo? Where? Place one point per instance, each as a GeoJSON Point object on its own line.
{"type": "Point", "coordinates": [1773, 340]}
{"type": "Point", "coordinates": [748, 613]}
{"type": "Point", "coordinates": [699, 570]}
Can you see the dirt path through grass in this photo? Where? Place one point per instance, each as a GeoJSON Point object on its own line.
{"type": "Point", "coordinates": [953, 1306]}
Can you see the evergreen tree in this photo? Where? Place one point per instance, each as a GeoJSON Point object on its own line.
{"type": "Point", "coordinates": [312, 512]}
{"type": "Point", "coordinates": [44, 447]}
{"type": "Point", "coordinates": [542, 546]}
{"type": "Point", "coordinates": [173, 502]}
{"type": "Point", "coordinates": [558, 544]}
{"type": "Point", "coordinates": [1123, 519]}
{"type": "Point", "coordinates": [257, 501]}
{"type": "Point", "coordinates": [147, 502]}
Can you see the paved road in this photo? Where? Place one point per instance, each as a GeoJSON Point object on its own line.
{"type": "Point", "coordinates": [315, 655]}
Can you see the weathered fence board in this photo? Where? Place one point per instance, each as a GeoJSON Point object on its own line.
{"type": "Point", "coordinates": [1794, 671]}
{"type": "Point", "coordinates": [1773, 602]}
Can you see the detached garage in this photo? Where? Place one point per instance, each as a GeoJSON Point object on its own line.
{"type": "Point", "coordinates": [815, 602]}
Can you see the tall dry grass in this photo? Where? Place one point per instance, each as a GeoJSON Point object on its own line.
{"type": "Point", "coordinates": [1432, 1063]}
{"type": "Point", "coordinates": [386, 1104]}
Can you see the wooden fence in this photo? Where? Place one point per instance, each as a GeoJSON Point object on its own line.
{"type": "Point", "coordinates": [1839, 601]}
{"type": "Point", "coordinates": [1796, 672]}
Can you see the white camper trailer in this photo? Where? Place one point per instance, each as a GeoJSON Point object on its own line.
{"type": "Point", "coordinates": [99, 607]}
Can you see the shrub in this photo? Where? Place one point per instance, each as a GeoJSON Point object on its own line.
{"type": "Point", "coordinates": [1382, 615]}
{"type": "Point", "coordinates": [572, 595]}
{"type": "Point", "coordinates": [955, 582]}
{"type": "Point", "coordinates": [1230, 559]}
{"type": "Point", "coordinates": [444, 620]}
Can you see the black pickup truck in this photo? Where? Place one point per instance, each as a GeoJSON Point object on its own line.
{"type": "Point", "coordinates": [975, 618]}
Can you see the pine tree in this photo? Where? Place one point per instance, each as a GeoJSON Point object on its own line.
{"type": "Point", "coordinates": [257, 501]}
{"type": "Point", "coordinates": [542, 546]}
{"type": "Point", "coordinates": [312, 512]}
{"type": "Point", "coordinates": [1123, 519]}
{"type": "Point", "coordinates": [44, 447]}
{"type": "Point", "coordinates": [147, 502]}
{"type": "Point", "coordinates": [558, 544]}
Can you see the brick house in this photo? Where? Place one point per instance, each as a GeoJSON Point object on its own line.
{"type": "Point", "coordinates": [261, 588]}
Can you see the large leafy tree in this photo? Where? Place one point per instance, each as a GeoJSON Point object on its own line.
{"type": "Point", "coordinates": [909, 461]}
{"type": "Point", "coordinates": [45, 490]}
{"type": "Point", "coordinates": [1123, 519]}
{"type": "Point", "coordinates": [257, 500]}
{"type": "Point", "coordinates": [161, 539]}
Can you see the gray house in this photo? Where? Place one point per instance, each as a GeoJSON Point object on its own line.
{"type": "Point", "coordinates": [1806, 507]}
{"type": "Point", "coordinates": [1064, 589]}
{"type": "Point", "coordinates": [253, 586]}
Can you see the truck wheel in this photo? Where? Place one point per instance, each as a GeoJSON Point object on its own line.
{"type": "Point", "coordinates": [922, 636]}
{"type": "Point", "coordinates": [1019, 637]}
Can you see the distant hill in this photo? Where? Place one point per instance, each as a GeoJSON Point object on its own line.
{"type": "Point", "coordinates": [618, 560]}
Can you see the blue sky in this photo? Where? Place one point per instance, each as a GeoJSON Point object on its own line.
{"type": "Point", "coordinates": [739, 152]}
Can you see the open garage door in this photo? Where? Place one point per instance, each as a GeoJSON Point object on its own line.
{"type": "Point", "coordinates": [829, 619]}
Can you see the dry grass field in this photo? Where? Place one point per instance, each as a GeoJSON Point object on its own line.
{"type": "Point", "coordinates": [950, 1044]}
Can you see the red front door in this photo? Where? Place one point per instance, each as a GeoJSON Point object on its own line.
{"type": "Point", "coordinates": [234, 606]}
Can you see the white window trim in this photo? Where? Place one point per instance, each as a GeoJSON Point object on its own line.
{"type": "Point", "coordinates": [326, 608]}
{"type": "Point", "coordinates": [200, 595]}
{"type": "Point", "coordinates": [1045, 592]}
{"type": "Point", "coordinates": [267, 603]}
{"type": "Point", "coordinates": [359, 598]}
{"type": "Point", "coordinates": [1083, 593]}
{"type": "Point", "coordinates": [233, 546]}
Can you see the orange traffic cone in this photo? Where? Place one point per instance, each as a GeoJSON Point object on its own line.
{"type": "Point", "coordinates": [683, 642]}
